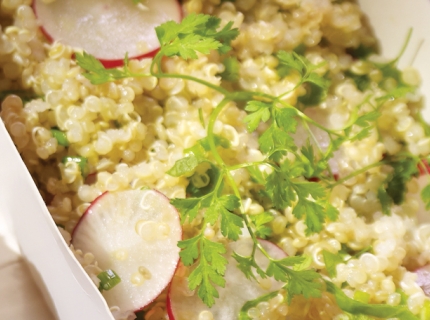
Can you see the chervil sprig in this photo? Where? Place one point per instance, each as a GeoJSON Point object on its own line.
{"type": "Point", "coordinates": [287, 176]}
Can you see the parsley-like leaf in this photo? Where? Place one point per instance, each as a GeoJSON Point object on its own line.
{"type": "Point", "coordinates": [425, 196]}
{"type": "Point", "coordinates": [195, 33]}
{"type": "Point", "coordinates": [96, 72]}
{"type": "Point", "coordinates": [231, 69]}
{"type": "Point", "coordinates": [184, 166]}
{"type": "Point", "coordinates": [303, 282]}
{"type": "Point", "coordinates": [260, 112]}
{"type": "Point", "coordinates": [331, 260]}
{"type": "Point", "coordinates": [243, 314]}
{"type": "Point", "coordinates": [210, 267]}
{"type": "Point", "coordinates": [222, 208]}
{"type": "Point", "coordinates": [260, 220]}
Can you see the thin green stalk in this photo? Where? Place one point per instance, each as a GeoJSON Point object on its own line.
{"type": "Point", "coordinates": [357, 172]}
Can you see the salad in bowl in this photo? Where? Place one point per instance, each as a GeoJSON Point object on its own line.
{"type": "Point", "coordinates": [211, 159]}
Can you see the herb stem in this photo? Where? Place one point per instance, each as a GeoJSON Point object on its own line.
{"type": "Point", "coordinates": [247, 164]}
{"type": "Point", "coordinates": [356, 173]}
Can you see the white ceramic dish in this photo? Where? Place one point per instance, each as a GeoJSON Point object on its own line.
{"type": "Point", "coordinates": [67, 288]}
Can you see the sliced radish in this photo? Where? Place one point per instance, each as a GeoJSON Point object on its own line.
{"type": "Point", "coordinates": [185, 305]}
{"type": "Point", "coordinates": [135, 234]}
{"type": "Point", "coordinates": [423, 279]}
{"type": "Point", "coordinates": [107, 29]}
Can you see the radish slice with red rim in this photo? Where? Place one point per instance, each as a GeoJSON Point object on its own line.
{"type": "Point", "coordinates": [423, 279]}
{"type": "Point", "coordinates": [135, 234]}
{"type": "Point", "coordinates": [107, 29]}
{"type": "Point", "coordinates": [182, 304]}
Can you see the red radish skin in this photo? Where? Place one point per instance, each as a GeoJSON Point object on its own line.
{"type": "Point", "coordinates": [134, 233]}
{"type": "Point", "coordinates": [93, 31]}
{"type": "Point", "coordinates": [237, 292]}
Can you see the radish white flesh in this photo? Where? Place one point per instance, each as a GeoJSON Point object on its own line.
{"type": "Point", "coordinates": [134, 233]}
{"type": "Point", "coordinates": [107, 29]}
{"type": "Point", "coordinates": [423, 279]}
{"type": "Point", "coordinates": [185, 305]}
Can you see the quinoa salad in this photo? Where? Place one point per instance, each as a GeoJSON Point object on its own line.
{"type": "Point", "coordinates": [262, 161]}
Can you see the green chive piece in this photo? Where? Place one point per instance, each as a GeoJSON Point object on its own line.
{"type": "Point", "coordinates": [361, 296]}
{"type": "Point", "coordinates": [60, 136]}
{"type": "Point", "coordinates": [81, 161]}
{"type": "Point", "coordinates": [108, 279]}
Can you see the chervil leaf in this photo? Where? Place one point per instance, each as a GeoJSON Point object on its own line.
{"type": "Point", "coordinates": [403, 171]}
{"type": "Point", "coordinates": [331, 212]}
{"type": "Point", "coordinates": [209, 270]}
{"type": "Point", "coordinates": [425, 196]}
{"type": "Point", "coordinates": [96, 72]}
{"type": "Point", "coordinates": [260, 220]}
{"type": "Point", "coordinates": [285, 119]}
{"type": "Point", "coordinates": [169, 30]}
{"type": "Point", "coordinates": [274, 138]}
{"type": "Point", "coordinates": [362, 82]}
{"type": "Point", "coordinates": [367, 119]}
{"type": "Point", "coordinates": [260, 113]}
{"type": "Point", "coordinates": [331, 260]}
{"type": "Point", "coordinates": [188, 208]}
{"type": "Point", "coordinates": [303, 282]}
{"type": "Point", "coordinates": [313, 166]}
{"type": "Point", "coordinates": [221, 208]}
{"type": "Point", "coordinates": [246, 265]}
{"type": "Point", "coordinates": [307, 188]}
{"type": "Point", "coordinates": [190, 250]}
{"type": "Point", "coordinates": [313, 96]}
{"type": "Point", "coordinates": [319, 81]}
{"type": "Point", "coordinates": [290, 61]}
{"type": "Point", "coordinates": [243, 314]}
{"type": "Point", "coordinates": [385, 200]}
{"type": "Point", "coordinates": [184, 166]}
{"type": "Point", "coordinates": [196, 33]}
{"type": "Point", "coordinates": [313, 212]}
{"type": "Point", "coordinates": [231, 69]}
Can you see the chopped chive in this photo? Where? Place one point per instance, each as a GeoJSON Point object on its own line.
{"type": "Point", "coordinates": [81, 161]}
{"type": "Point", "coordinates": [361, 296]}
{"type": "Point", "coordinates": [60, 136]}
{"type": "Point", "coordinates": [108, 279]}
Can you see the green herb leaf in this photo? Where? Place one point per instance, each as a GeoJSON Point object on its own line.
{"type": "Point", "coordinates": [362, 82]}
{"type": "Point", "coordinates": [209, 269]}
{"type": "Point", "coordinates": [231, 71]}
{"type": "Point", "coordinates": [404, 169]}
{"type": "Point", "coordinates": [196, 33]}
{"type": "Point", "coordinates": [96, 72]}
{"type": "Point", "coordinates": [260, 112]}
{"type": "Point", "coordinates": [184, 166]}
{"type": "Point", "coordinates": [425, 196]}
{"type": "Point", "coordinates": [190, 250]}
{"type": "Point", "coordinates": [385, 200]}
{"type": "Point", "coordinates": [331, 260]}
{"type": "Point", "coordinates": [188, 208]}
{"type": "Point", "coordinates": [302, 282]}
{"type": "Point", "coordinates": [246, 265]}
{"type": "Point", "coordinates": [222, 208]}
{"type": "Point", "coordinates": [243, 314]}
{"type": "Point", "coordinates": [260, 220]}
